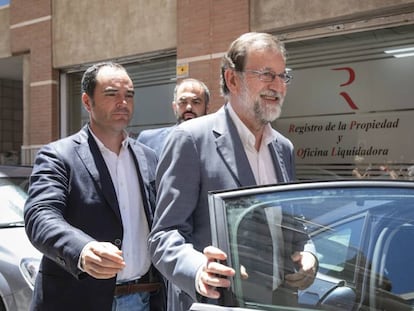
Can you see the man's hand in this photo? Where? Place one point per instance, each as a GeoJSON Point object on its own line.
{"type": "Point", "coordinates": [306, 275]}
{"type": "Point", "coordinates": [102, 260]}
{"type": "Point", "coordinates": [213, 274]}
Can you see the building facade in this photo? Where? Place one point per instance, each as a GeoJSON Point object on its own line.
{"type": "Point", "coordinates": [45, 45]}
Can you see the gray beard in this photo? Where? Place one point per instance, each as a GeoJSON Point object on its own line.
{"type": "Point", "coordinates": [264, 115]}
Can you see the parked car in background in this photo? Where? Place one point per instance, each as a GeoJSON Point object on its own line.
{"type": "Point", "coordinates": [19, 260]}
{"type": "Point", "coordinates": [363, 231]}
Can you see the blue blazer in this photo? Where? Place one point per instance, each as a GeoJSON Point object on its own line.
{"type": "Point", "coordinates": [71, 202]}
{"type": "Point", "coordinates": [155, 138]}
{"type": "Point", "coordinates": [200, 155]}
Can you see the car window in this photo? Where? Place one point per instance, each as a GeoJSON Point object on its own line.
{"type": "Point", "coordinates": [12, 199]}
{"type": "Point", "coordinates": [399, 267]}
{"type": "Point", "coordinates": [345, 240]}
{"type": "Point", "coordinates": [395, 265]}
{"type": "Point", "coordinates": [359, 231]}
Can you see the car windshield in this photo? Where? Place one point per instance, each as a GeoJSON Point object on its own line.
{"type": "Point", "coordinates": [12, 199]}
{"type": "Point", "coordinates": [362, 235]}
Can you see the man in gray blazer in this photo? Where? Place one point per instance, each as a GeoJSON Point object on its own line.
{"type": "Point", "coordinates": [90, 207]}
{"type": "Point", "coordinates": [234, 147]}
{"type": "Point", "coordinates": [191, 99]}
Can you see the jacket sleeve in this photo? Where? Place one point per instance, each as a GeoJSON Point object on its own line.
{"type": "Point", "coordinates": [45, 211]}
{"type": "Point", "coordinates": [170, 240]}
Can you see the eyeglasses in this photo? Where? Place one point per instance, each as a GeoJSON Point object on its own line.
{"type": "Point", "coordinates": [270, 76]}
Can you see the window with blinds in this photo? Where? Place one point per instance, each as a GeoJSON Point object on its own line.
{"type": "Point", "coordinates": [154, 81]}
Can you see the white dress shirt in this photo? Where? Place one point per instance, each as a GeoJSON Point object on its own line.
{"type": "Point", "coordinates": [261, 163]}
{"type": "Point", "coordinates": [135, 226]}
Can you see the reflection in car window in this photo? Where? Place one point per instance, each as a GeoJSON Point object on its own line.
{"type": "Point", "coordinates": [397, 265]}
{"type": "Point", "coordinates": [400, 269]}
{"type": "Point", "coordinates": [337, 249]}
{"type": "Point", "coordinates": [363, 236]}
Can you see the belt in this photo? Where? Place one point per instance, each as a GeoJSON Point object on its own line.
{"type": "Point", "coordinates": [140, 285]}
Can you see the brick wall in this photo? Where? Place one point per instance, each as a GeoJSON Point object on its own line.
{"type": "Point", "coordinates": [31, 34]}
{"type": "Point", "coordinates": [204, 31]}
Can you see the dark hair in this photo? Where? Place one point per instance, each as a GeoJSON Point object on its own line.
{"type": "Point", "coordinates": [88, 83]}
{"type": "Point", "coordinates": [205, 88]}
{"type": "Point", "coordinates": [236, 56]}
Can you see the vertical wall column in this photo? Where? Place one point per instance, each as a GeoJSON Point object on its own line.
{"type": "Point", "coordinates": [205, 29]}
{"type": "Point", "coordinates": [31, 35]}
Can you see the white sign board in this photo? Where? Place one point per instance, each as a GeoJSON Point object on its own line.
{"type": "Point", "coordinates": [352, 114]}
{"type": "Point", "coordinates": [378, 85]}
{"type": "Point", "coordinates": [369, 137]}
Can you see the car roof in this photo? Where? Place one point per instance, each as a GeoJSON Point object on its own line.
{"type": "Point", "coordinates": [14, 171]}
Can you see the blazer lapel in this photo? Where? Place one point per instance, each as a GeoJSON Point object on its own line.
{"type": "Point", "coordinates": [94, 163]}
{"type": "Point", "coordinates": [279, 164]}
{"type": "Point", "coordinates": [231, 148]}
{"type": "Point", "coordinates": [142, 166]}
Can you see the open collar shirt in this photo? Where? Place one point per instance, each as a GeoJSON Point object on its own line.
{"type": "Point", "coordinates": [135, 226]}
{"type": "Point", "coordinates": [260, 161]}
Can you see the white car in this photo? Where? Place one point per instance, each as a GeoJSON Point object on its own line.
{"type": "Point", "coordinates": [19, 260]}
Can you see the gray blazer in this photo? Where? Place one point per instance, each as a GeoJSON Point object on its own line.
{"type": "Point", "coordinates": [200, 155]}
{"type": "Point", "coordinates": [71, 202]}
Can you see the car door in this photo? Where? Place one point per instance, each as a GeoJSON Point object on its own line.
{"type": "Point", "coordinates": [359, 230]}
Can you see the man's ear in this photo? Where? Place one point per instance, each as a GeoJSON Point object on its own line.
{"type": "Point", "coordinates": [174, 106]}
{"type": "Point", "coordinates": [87, 102]}
{"type": "Point", "coordinates": [232, 80]}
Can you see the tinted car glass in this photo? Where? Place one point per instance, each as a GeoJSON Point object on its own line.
{"type": "Point", "coordinates": [362, 232]}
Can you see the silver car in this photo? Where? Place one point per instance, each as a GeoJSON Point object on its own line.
{"type": "Point", "coordinates": [19, 260]}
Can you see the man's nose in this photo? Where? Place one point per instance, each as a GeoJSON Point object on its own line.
{"type": "Point", "coordinates": [123, 100]}
{"type": "Point", "coordinates": [278, 84]}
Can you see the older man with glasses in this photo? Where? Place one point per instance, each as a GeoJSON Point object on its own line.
{"type": "Point", "coordinates": [233, 147]}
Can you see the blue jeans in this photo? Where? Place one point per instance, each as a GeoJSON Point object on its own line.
{"type": "Point", "coordinates": [133, 302]}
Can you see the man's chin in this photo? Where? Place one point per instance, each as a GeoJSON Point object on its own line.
{"type": "Point", "coordinates": [122, 122]}
{"type": "Point", "coordinates": [272, 115]}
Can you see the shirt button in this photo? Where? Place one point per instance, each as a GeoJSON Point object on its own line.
{"type": "Point", "coordinates": [118, 242]}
